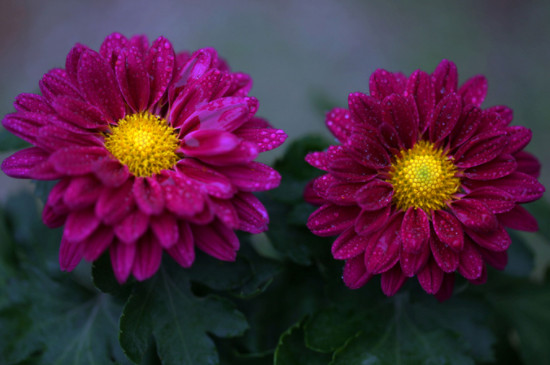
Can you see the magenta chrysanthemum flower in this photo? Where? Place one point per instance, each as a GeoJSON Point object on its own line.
{"type": "Point", "coordinates": [154, 151]}
{"type": "Point", "coordinates": [423, 183]}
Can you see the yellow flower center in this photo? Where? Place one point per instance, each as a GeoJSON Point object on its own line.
{"type": "Point", "coordinates": [143, 142]}
{"type": "Point", "coordinates": [423, 177]}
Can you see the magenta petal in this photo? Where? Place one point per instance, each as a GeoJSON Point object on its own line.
{"type": "Point", "coordinates": [113, 43]}
{"type": "Point", "coordinates": [97, 83]}
{"type": "Point", "coordinates": [498, 260]}
{"type": "Point", "coordinates": [79, 113]}
{"type": "Point", "coordinates": [342, 192]}
{"type": "Point", "coordinates": [161, 62]}
{"type": "Point", "coordinates": [115, 203]}
{"type": "Point", "coordinates": [122, 259]}
{"type": "Point", "coordinates": [251, 212]}
{"type": "Point", "coordinates": [148, 257]}
{"type": "Point", "coordinates": [227, 113]}
{"type": "Point", "coordinates": [72, 60]}
{"type": "Point", "coordinates": [412, 263]}
{"type": "Point", "coordinates": [481, 149]}
{"type": "Point", "coordinates": [367, 151]}
{"type": "Point", "coordinates": [132, 78]}
{"type": "Point", "coordinates": [420, 87]}
{"type": "Point", "coordinates": [474, 90]}
{"type": "Point", "coordinates": [355, 274]}
{"type": "Point", "coordinates": [519, 137]}
{"type": "Point", "coordinates": [32, 103]}
{"type": "Point", "coordinates": [200, 62]}
{"type": "Point", "coordinates": [181, 195]}
{"type": "Point", "coordinates": [132, 227]}
{"type": "Point", "coordinates": [519, 218]}
{"type": "Point", "coordinates": [471, 262]}
{"type": "Point", "coordinates": [448, 229]}
{"type": "Point", "coordinates": [445, 257]}
{"type": "Point", "coordinates": [446, 290]}
{"type": "Point", "coordinates": [527, 164]}
{"type": "Point", "coordinates": [253, 176]}
{"type": "Point", "coordinates": [183, 252]}
{"type": "Point", "coordinates": [383, 252]}
{"type": "Point", "coordinates": [499, 167]}
{"type": "Point", "coordinates": [400, 112]}
{"type": "Point", "coordinates": [148, 195]}
{"type": "Point", "coordinates": [382, 84]}
{"type": "Point", "coordinates": [467, 125]}
{"type": "Point", "coordinates": [210, 180]}
{"type": "Point", "coordinates": [80, 224]}
{"type": "Point", "coordinates": [392, 280]}
{"type": "Point", "coordinates": [53, 137]}
{"type": "Point", "coordinates": [98, 242]}
{"type": "Point", "coordinates": [415, 230]}
{"type": "Point", "coordinates": [339, 123]}
{"type": "Point", "coordinates": [208, 142]}
{"type": "Point", "coordinates": [25, 125]}
{"type": "Point", "coordinates": [482, 279]}
{"type": "Point", "coordinates": [498, 201]}
{"type": "Point", "coordinates": [371, 221]}
{"type": "Point", "coordinates": [474, 214]}
{"type": "Point", "coordinates": [366, 113]}
{"type": "Point", "coordinates": [70, 254]}
{"type": "Point", "coordinates": [343, 167]}
{"type": "Point", "coordinates": [112, 173]}
{"type": "Point", "coordinates": [497, 240]}
{"type": "Point", "coordinates": [216, 240]}
{"type": "Point", "coordinates": [54, 84]}
{"type": "Point", "coordinates": [77, 160]}
{"type": "Point", "coordinates": [523, 188]}
{"type": "Point", "coordinates": [349, 244]}
{"type": "Point", "coordinates": [444, 117]}
{"type": "Point", "coordinates": [374, 195]}
{"type": "Point", "coordinates": [244, 153]}
{"type": "Point", "coordinates": [82, 192]}
{"type": "Point", "coordinates": [21, 163]}
{"type": "Point", "coordinates": [225, 211]}
{"type": "Point", "coordinates": [445, 79]}
{"type": "Point", "coordinates": [265, 138]}
{"type": "Point", "coordinates": [319, 160]}
{"type": "Point", "coordinates": [430, 277]}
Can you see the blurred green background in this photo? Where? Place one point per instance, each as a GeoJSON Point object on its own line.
{"type": "Point", "coordinates": [304, 56]}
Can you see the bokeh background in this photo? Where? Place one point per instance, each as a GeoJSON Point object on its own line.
{"type": "Point", "coordinates": [304, 56]}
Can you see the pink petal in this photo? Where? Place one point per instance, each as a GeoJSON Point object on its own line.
{"type": "Point", "coordinates": [519, 218]}
{"type": "Point", "coordinates": [97, 83]}
{"type": "Point", "coordinates": [474, 90]}
{"type": "Point", "coordinates": [467, 125]}
{"type": "Point", "coordinates": [343, 167]}
{"type": "Point", "coordinates": [506, 114]}
{"type": "Point", "coordinates": [20, 164]}
{"type": "Point", "coordinates": [55, 84]}
{"type": "Point", "coordinates": [412, 263]}
{"type": "Point", "coordinates": [226, 212]}
{"type": "Point", "coordinates": [77, 160]}
{"type": "Point", "coordinates": [471, 262]}
{"type": "Point", "coordinates": [113, 44]}
{"type": "Point", "coordinates": [383, 252]}
{"type": "Point", "coordinates": [448, 229]}
{"type": "Point", "coordinates": [132, 78]}
{"type": "Point", "coordinates": [319, 160]}
{"type": "Point", "coordinates": [240, 85]}
{"type": "Point", "coordinates": [148, 195]}
{"type": "Point", "coordinates": [97, 242]}
{"type": "Point", "coordinates": [148, 257]}
{"type": "Point", "coordinates": [252, 213]}
{"type": "Point", "coordinates": [474, 214]}
{"type": "Point", "coordinates": [181, 195]}
{"type": "Point", "coordinates": [227, 114]}
{"type": "Point", "coordinates": [444, 117]}
{"type": "Point", "coordinates": [216, 240]}
{"type": "Point", "coordinates": [80, 225]}
{"type": "Point", "coordinates": [196, 66]}
{"type": "Point", "coordinates": [370, 221]}
{"type": "Point", "coordinates": [122, 259]}
{"type": "Point", "coordinates": [79, 113]}
{"type": "Point", "coordinates": [527, 164]}
{"type": "Point", "coordinates": [53, 137]}
{"type": "Point", "coordinates": [355, 274]}
{"type": "Point", "coordinates": [244, 153]}
{"type": "Point", "coordinates": [208, 142]}
{"type": "Point", "coordinates": [382, 84]}
{"type": "Point", "coordinates": [481, 149]}
{"type": "Point", "coordinates": [491, 122]}
{"type": "Point", "coordinates": [482, 279]}
{"type": "Point", "coordinates": [115, 203]}
{"type": "Point", "coordinates": [253, 176]}
{"type": "Point", "coordinates": [311, 196]}
{"type": "Point", "coordinates": [160, 61]}
{"type": "Point", "coordinates": [497, 240]}
{"type": "Point", "coordinates": [210, 181]}
{"type": "Point", "coordinates": [339, 123]}
{"type": "Point", "coordinates": [374, 195]}
{"type": "Point", "coordinates": [389, 138]}
{"type": "Point", "coordinates": [445, 257]}
{"type": "Point", "coordinates": [265, 138]}
{"type": "Point", "coordinates": [445, 79]}
{"type": "Point", "coordinates": [165, 228]}
{"type": "Point", "coordinates": [499, 167]}
{"type": "Point", "coordinates": [111, 172]}
{"type": "Point", "coordinates": [447, 287]}
{"type": "Point", "coordinates": [70, 254]}
{"type": "Point", "coordinates": [82, 192]}
{"type": "Point", "coordinates": [415, 230]}
{"type": "Point", "coordinates": [431, 277]}
{"type": "Point", "coordinates": [73, 58]}
{"type": "Point", "coordinates": [519, 137]}
{"type": "Point", "coordinates": [420, 87]}
{"type": "Point", "coordinates": [400, 112]}
{"type": "Point", "coordinates": [25, 125]}
{"type": "Point", "coordinates": [365, 110]}
{"type": "Point", "coordinates": [343, 192]}
{"type": "Point", "coordinates": [523, 188]}
{"type": "Point", "coordinates": [183, 252]}
{"type": "Point", "coordinates": [392, 280]}
{"type": "Point", "coordinates": [498, 201]}
{"type": "Point", "coordinates": [32, 103]}
{"type": "Point", "coordinates": [132, 227]}
{"type": "Point", "coordinates": [367, 151]}
{"type": "Point", "coordinates": [349, 244]}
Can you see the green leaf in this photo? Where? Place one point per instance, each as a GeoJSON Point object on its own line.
{"type": "Point", "coordinates": [292, 350]}
{"type": "Point", "coordinates": [164, 307]}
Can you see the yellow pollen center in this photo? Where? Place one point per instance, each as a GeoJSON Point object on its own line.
{"type": "Point", "coordinates": [143, 142]}
{"type": "Point", "coordinates": [423, 177]}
